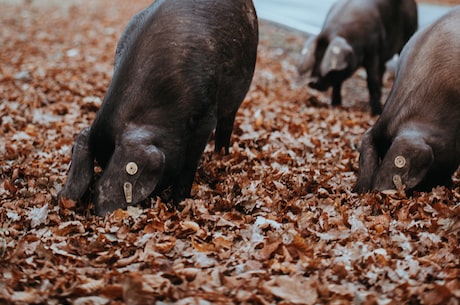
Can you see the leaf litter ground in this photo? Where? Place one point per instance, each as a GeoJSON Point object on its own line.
{"type": "Point", "coordinates": [273, 222]}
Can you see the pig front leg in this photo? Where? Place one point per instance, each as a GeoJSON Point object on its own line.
{"type": "Point", "coordinates": [81, 169]}
{"type": "Point", "coordinates": [198, 140]}
{"type": "Point", "coordinates": [368, 164]}
{"type": "Point", "coordinates": [336, 94]}
{"type": "Point", "coordinates": [374, 84]}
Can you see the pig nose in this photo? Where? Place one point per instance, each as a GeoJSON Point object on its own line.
{"type": "Point", "coordinates": [313, 82]}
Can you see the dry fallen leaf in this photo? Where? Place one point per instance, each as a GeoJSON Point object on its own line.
{"type": "Point", "coordinates": [296, 290]}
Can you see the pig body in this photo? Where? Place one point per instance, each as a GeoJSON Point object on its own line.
{"type": "Point", "coordinates": [358, 33]}
{"type": "Point", "coordinates": [182, 69]}
{"type": "Point", "coordinates": [415, 143]}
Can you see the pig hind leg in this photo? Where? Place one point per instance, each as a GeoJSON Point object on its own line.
{"type": "Point", "coordinates": [375, 70]}
{"type": "Point", "coordinates": [224, 132]}
{"type": "Point", "coordinates": [226, 111]}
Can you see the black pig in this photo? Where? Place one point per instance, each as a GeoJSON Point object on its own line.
{"type": "Point", "coordinates": [182, 69]}
{"type": "Point", "coordinates": [358, 33]}
{"type": "Point", "coordinates": [415, 143]}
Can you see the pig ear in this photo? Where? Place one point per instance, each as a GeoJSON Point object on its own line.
{"type": "Point", "coordinates": [338, 56]}
{"type": "Point", "coordinates": [368, 164]}
{"type": "Point", "coordinates": [143, 172]}
{"type": "Point", "coordinates": [405, 165]}
{"type": "Point", "coordinates": [419, 162]}
{"type": "Point", "coordinates": [81, 169]}
{"type": "Point", "coordinates": [307, 59]}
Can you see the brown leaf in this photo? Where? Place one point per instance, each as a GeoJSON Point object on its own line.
{"type": "Point", "coordinates": [68, 204]}
{"type": "Point", "coordinates": [295, 289]}
{"type": "Point", "coordinates": [135, 291]}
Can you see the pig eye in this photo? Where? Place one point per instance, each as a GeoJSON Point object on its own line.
{"type": "Point", "coordinates": [400, 162]}
{"type": "Point", "coordinates": [131, 168]}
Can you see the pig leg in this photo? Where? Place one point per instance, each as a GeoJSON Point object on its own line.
{"type": "Point", "coordinates": [374, 84]}
{"type": "Point", "coordinates": [368, 164]}
{"type": "Point", "coordinates": [196, 146]}
{"type": "Point", "coordinates": [81, 168]}
{"type": "Point", "coordinates": [228, 102]}
{"type": "Point", "coordinates": [336, 95]}
{"type": "Point", "coordinates": [227, 107]}
{"type": "Point", "coordinates": [224, 132]}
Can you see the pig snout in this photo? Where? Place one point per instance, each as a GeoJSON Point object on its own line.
{"type": "Point", "coordinates": [108, 198]}
{"type": "Point", "coordinates": [318, 83]}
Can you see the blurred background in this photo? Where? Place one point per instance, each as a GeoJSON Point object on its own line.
{"type": "Point", "coordinates": [308, 15]}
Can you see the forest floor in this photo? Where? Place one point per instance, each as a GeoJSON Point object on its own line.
{"type": "Point", "coordinates": [273, 222]}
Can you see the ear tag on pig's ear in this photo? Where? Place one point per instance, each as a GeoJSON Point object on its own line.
{"type": "Point", "coordinates": [400, 161]}
{"type": "Point", "coordinates": [397, 181]}
{"type": "Point", "coordinates": [131, 168]}
{"type": "Point", "coordinates": [304, 51]}
{"type": "Point", "coordinates": [128, 190]}
{"type": "Point", "coordinates": [334, 60]}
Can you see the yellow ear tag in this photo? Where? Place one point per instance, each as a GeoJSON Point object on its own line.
{"type": "Point", "coordinates": [400, 161]}
{"type": "Point", "coordinates": [131, 168]}
{"type": "Point", "coordinates": [128, 190]}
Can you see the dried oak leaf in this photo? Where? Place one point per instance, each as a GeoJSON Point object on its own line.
{"type": "Point", "coordinates": [68, 204]}
{"type": "Point", "coordinates": [70, 227]}
{"type": "Point", "coordinates": [135, 292]}
{"type": "Point", "coordinates": [294, 289]}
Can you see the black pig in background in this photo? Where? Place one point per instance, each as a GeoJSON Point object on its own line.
{"type": "Point", "coordinates": [182, 69]}
{"type": "Point", "coordinates": [358, 33]}
{"type": "Point", "coordinates": [415, 143]}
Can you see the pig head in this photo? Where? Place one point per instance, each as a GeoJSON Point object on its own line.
{"type": "Point", "coordinates": [357, 33]}
{"type": "Point", "coordinates": [404, 166]}
{"type": "Point", "coordinates": [330, 65]}
{"type": "Point", "coordinates": [131, 175]}
{"type": "Point", "coordinates": [415, 143]}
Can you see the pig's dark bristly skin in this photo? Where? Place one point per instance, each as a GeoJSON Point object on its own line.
{"type": "Point", "coordinates": [358, 33]}
{"type": "Point", "coordinates": [182, 69]}
{"type": "Point", "coordinates": [415, 143]}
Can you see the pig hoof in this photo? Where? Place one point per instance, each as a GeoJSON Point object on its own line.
{"type": "Point", "coordinates": [376, 110]}
{"type": "Point", "coordinates": [336, 103]}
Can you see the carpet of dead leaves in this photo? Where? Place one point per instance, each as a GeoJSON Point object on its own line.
{"type": "Point", "coordinates": [274, 222]}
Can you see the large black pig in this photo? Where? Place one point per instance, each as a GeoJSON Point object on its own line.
{"type": "Point", "coordinates": [182, 69]}
{"type": "Point", "coordinates": [358, 33]}
{"type": "Point", "coordinates": [415, 143]}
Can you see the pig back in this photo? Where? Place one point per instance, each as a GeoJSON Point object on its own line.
{"type": "Point", "coordinates": [183, 47]}
{"type": "Point", "coordinates": [427, 82]}
{"type": "Point", "coordinates": [400, 21]}
{"type": "Point", "coordinates": [388, 24]}
{"type": "Point", "coordinates": [170, 60]}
